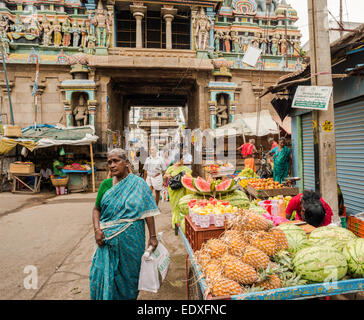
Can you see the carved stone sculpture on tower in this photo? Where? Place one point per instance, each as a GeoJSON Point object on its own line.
{"type": "Point", "coordinates": [47, 29]}
{"type": "Point", "coordinates": [67, 29]}
{"type": "Point", "coordinates": [222, 116]}
{"type": "Point", "coordinates": [57, 29]}
{"type": "Point", "coordinates": [80, 112]}
{"type": "Point", "coordinates": [202, 28]}
{"type": "Point", "coordinates": [84, 35]}
{"type": "Point", "coordinates": [76, 34]}
{"type": "Point", "coordinates": [101, 21]}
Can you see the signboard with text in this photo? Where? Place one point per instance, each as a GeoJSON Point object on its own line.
{"type": "Point", "coordinates": [312, 97]}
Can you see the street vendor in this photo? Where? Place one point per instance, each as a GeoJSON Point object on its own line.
{"type": "Point", "coordinates": [247, 152]}
{"type": "Point", "coordinates": [311, 208]}
{"type": "Point", "coordinates": [58, 166]}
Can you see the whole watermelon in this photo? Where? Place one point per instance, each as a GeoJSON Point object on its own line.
{"type": "Point", "coordinates": [320, 264]}
{"type": "Point", "coordinates": [354, 254]}
{"type": "Point", "coordinates": [237, 198]}
{"type": "Point", "coordinates": [296, 237]}
{"type": "Point", "coordinates": [331, 236]}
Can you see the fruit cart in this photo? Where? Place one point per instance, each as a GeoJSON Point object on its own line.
{"type": "Point", "coordinates": [196, 285]}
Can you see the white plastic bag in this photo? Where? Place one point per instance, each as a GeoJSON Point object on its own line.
{"type": "Point", "coordinates": [162, 257]}
{"type": "Point", "coordinates": [148, 276]}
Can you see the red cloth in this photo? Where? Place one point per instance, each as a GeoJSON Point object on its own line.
{"type": "Point", "coordinates": [274, 144]}
{"type": "Point", "coordinates": [295, 205]}
{"type": "Point", "coordinates": [247, 149]}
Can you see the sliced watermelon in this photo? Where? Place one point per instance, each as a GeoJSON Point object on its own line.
{"type": "Point", "coordinates": [187, 182]}
{"type": "Point", "coordinates": [202, 186]}
{"type": "Point", "coordinates": [225, 185]}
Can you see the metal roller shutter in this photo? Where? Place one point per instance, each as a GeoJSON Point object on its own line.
{"type": "Point", "coordinates": [349, 132]}
{"type": "Point", "coordinates": [308, 153]}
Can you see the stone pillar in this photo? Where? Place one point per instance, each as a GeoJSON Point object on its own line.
{"type": "Point", "coordinates": [68, 111]}
{"type": "Point", "coordinates": [168, 14]}
{"type": "Point", "coordinates": [92, 105]}
{"type": "Point", "coordinates": [138, 10]}
{"type": "Point", "coordinates": [212, 109]}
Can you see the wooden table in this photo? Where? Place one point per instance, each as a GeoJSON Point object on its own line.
{"type": "Point", "coordinates": [16, 177]}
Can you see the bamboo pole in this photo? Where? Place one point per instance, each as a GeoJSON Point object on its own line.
{"type": "Point", "coordinates": [92, 168]}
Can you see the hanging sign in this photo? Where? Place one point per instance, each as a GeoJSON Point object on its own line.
{"type": "Point", "coordinates": [252, 55]}
{"type": "Point", "coordinates": [312, 97]}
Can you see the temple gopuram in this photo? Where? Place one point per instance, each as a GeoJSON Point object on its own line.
{"type": "Point", "coordinates": [97, 59]}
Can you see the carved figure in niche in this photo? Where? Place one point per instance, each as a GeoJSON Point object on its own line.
{"type": "Point", "coordinates": [101, 23]}
{"type": "Point", "coordinates": [245, 43]}
{"type": "Point", "coordinates": [84, 35]}
{"type": "Point", "coordinates": [269, 46]}
{"type": "Point", "coordinates": [80, 112]}
{"type": "Point", "coordinates": [227, 42]}
{"type": "Point", "coordinates": [18, 26]}
{"type": "Point", "coordinates": [283, 45]}
{"type": "Point", "coordinates": [255, 41]}
{"type": "Point", "coordinates": [47, 31]}
{"type": "Point", "coordinates": [67, 29]}
{"type": "Point", "coordinates": [203, 26]}
{"type": "Point", "coordinates": [274, 46]}
{"type": "Point", "coordinates": [57, 29]}
{"type": "Point", "coordinates": [297, 47]}
{"type": "Point", "coordinates": [263, 44]}
{"type": "Point", "coordinates": [222, 114]}
{"type": "Point", "coordinates": [91, 42]}
{"type": "Point", "coordinates": [217, 40]}
{"type": "Point", "coordinates": [76, 31]}
{"type": "Point", "coordinates": [236, 41]}
{"type": "Point", "coordinates": [34, 27]}
{"type": "Point", "coordinates": [4, 24]}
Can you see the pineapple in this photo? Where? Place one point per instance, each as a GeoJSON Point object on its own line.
{"type": "Point", "coordinates": [272, 282]}
{"type": "Point", "coordinates": [215, 248]}
{"type": "Point", "coordinates": [266, 242]}
{"type": "Point", "coordinates": [252, 221]}
{"type": "Point", "coordinates": [255, 258]}
{"type": "Point", "coordinates": [202, 258]}
{"type": "Point", "coordinates": [213, 269]}
{"type": "Point", "coordinates": [235, 242]}
{"type": "Point", "coordinates": [236, 270]}
{"type": "Point", "coordinates": [225, 287]}
{"type": "Point", "coordinates": [280, 238]}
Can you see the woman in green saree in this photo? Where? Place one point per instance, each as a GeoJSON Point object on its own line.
{"type": "Point", "coordinates": [281, 161]}
{"type": "Point", "coordinates": [176, 195]}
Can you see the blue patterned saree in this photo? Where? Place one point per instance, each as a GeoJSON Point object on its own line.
{"type": "Point", "coordinates": [114, 273]}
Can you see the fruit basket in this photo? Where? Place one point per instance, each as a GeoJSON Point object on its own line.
{"type": "Point", "coordinates": [59, 182]}
{"type": "Point", "coordinates": [355, 223]}
{"type": "Point", "coordinates": [285, 191]}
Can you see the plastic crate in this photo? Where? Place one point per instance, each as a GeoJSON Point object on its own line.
{"type": "Point", "coordinates": [197, 236]}
{"type": "Point", "coordinates": [356, 225]}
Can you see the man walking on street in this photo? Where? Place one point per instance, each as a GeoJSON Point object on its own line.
{"type": "Point", "coordinates": [154, 169]}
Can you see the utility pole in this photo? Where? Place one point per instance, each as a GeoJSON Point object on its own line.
{"type": "Point", "coordinates": [324, 140]}
{"type": "Point", "coordinates": [341, 19]}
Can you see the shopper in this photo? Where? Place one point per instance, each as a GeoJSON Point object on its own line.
{"type": "Point", "coordinates": [176, 194]}
{"type": "Point", "coordinates": [281, 160]}
{"type": "Point", "coordinates": [154, 169]}
{"type": "Point", "coordinates": [123, 205]}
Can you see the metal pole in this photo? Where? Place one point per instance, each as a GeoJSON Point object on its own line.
{"type": "Point", "coordinates": [324, 141]}
{"type": "Point", "coordinates": [7, 86]}
{"type": "Point", "coordinates": [92, 168]}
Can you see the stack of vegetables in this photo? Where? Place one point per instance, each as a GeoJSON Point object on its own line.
{"type": "Point", "coordinates": [77, 167]}
{"type": "Point", "coordinates": [252, 256]}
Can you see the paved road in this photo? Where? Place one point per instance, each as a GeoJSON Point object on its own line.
{"type": "Point", "coordinates": [56, 237]}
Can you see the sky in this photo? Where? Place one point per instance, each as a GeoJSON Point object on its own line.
{"type": "Point", "coordinates": [353, 11]}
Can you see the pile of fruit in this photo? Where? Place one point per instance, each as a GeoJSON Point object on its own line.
{"type": "Point", "coordinates": [244, 182]}
{"type": "Point", "coordinates": [265, 184]}
{"type": "Point", "coordinates": [211, 206]}
{"type": "Point", "coordinates": [247, 173]}
{"type": "Point", "coordinates": [236, 198]}
{"type": "Point", "coordinates": [209, 187]}
{"type": "Point", "coordinates": [253, 256]}
{"type": "Point", "coordinates": [216, 168]}
{"type": "Point", "coordinates": [77, 167]}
